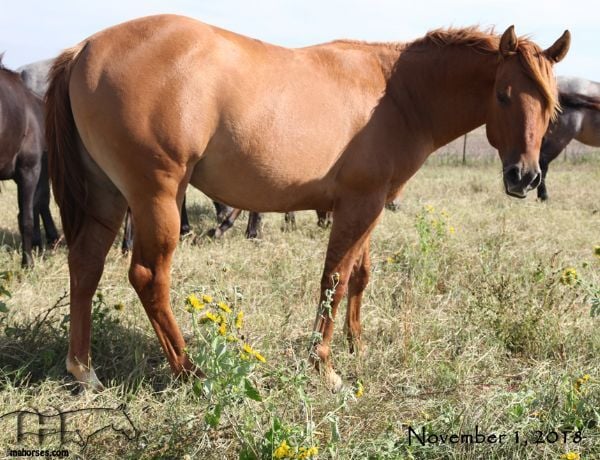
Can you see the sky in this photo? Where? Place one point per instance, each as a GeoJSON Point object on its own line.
{"type": "Point", "coordinates": [34, 30]}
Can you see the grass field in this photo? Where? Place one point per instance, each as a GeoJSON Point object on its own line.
{"type": "Point", "coordinates": [478, 316]}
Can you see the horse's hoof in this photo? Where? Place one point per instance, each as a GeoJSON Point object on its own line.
{"type": "Point", "coordinates": [85, 376]}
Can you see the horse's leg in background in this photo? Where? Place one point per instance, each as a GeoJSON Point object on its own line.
{"type": "Point", "coordinates": [226, 223]}
{"type": "Point", "coordinates": [127, 243]}
{"type": "Point", "coordinates": [36, 236]}
{"type": "Point", "coordinates": [184, 228]}
{"type": "Point", "coordinates": [354, 218]}
{"type": "Point", "coordinates": [253, 230]}
{"type": "Point", "coordinates": [43, 206]}
{"type": "Point", "coordinates": [87, 253]}
{"type": "Point", "coordinates": [223, 211]}
{"type": "Point", "coordinates": [357, 283]}
{"type": "Point", "coordinates": [26, 177]}
{"type": "Point", "coordinates": [323, 219]}
{"type": "Point", "coordinates": [393, 205]}
{"type": "Point", "coordinates": [150, 271]}
{"type": "Point", "coordinates": [289, 222]}
{"type": "Point", "coordinates": [556, 140]}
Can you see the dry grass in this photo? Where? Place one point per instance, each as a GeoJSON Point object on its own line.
{"type": "Point", "coordinates": [476, 330]}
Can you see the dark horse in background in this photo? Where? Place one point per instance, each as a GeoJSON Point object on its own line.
{"type": "Point", "coordinates": [340, 126]}
{"type": "Point", "coordinates": [23, 158]}
{"type": "Point", "coordinates": [579, 120]}
{"type": "Point", "coordinates": [35, 77]}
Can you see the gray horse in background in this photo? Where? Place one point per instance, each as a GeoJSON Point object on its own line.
{"type": "Point", "coordinates": [579, 119]}
{"type": "Point", "coordinates": [35, 76]}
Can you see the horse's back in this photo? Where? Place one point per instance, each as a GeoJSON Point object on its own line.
{"type": "Point", "coordinates": [173, 93]}
{"type": "Point", "coordinates": [584, 115]}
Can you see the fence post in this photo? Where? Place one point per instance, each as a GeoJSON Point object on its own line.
{"type": "Point", "coordinates": [464, 158]}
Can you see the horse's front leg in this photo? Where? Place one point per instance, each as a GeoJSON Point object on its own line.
{"type": "Point", "coordinates": [354, 217]}
{"type": "Point", "coordinates": [27, 180]}
{"type": "Point", "coordinates": [156, 224]}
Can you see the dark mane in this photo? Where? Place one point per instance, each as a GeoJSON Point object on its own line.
{"type": "Point", "coordinates": [579, 101]}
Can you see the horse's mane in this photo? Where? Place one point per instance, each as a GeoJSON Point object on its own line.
{"type": "Point", "coordinates": [579, 101]}
{"type": "Point", "coordinates": [532, 58]}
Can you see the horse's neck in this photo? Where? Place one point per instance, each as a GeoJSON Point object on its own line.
{"type": "Point", "coordinates": [442, 93]}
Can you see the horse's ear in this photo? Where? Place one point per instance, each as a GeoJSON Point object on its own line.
{"type": "Point", "coordinates": [559, 50]}
{"type": "Point", "coordinates": [508, 42]}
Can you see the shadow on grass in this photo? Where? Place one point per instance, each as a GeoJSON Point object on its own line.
{"type": "Point", "coordinates": [34, 350]}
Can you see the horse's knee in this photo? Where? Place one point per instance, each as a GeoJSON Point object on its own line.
{"type": "Point", "coordinates": [148, 284]}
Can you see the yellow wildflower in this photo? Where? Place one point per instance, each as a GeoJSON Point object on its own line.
{"type": "Point", "coordinates": [571, 456]}
{"type": "Point", "coordinates": [239, 319]}
{"type": "Point", "coordinates": [579, 382]}
{"type": "Point", "coordinates": [304, 452]}
{"type": "Point", "coordinates": [429, 208]}
{"type": "Point", "coordinates": [232, 338]}
{"type": "Point", "coordinates": [212, 317]}
{"type": "Point", "coordinates": [569, 276]}
{"type": "Point", "coordinates": [193, 302]}
{"type": "Point", "coordinates": [360, 390]}
{"type": "Point", "coordinates": [282, 451]}
{"type": "Point", "coordinates": [390, 260]}
{"type": "Point", "coordinates": [223, 306]}
{"type": "Point", "coordinates": [250, 351]}
{"type": "Point", "coordinates": [119, 307]}
{"type": "Point", "coordinates": [451, 230]}
{"type": "Point", "coordinates": [223, 328]}
{"type": "Point", "coordinates": [207, 298]}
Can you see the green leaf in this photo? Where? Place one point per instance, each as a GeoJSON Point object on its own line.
{"type": "Point", "coordinates": [3, 307]}
{"type": "Point", "coordinates": [250, 391]}
{"type": "Point", "coordinates": [197, 388]}
{"type": "Point", "coordinates": [213, 417]}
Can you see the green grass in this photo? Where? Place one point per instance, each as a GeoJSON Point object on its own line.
{"type": "Point", "coordinates": [464, 329]}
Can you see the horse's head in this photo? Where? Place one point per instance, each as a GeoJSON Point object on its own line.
{"type": "Point", "coordinates": [522, 103]}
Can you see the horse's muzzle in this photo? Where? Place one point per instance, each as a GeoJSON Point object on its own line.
{"type": "Point", "coordinates": [519, 180]}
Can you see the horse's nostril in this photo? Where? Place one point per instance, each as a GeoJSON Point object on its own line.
{"type": "Point", "coordinates": [513, 175]}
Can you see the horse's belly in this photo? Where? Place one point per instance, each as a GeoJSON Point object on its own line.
{"type": "Point", "coordinates": [263, 185]}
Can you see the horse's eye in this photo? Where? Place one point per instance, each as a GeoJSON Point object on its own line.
{"type": "Point", "coordinates": [503, 97]}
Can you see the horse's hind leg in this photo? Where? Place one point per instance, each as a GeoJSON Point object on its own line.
{"type": "Point", "coordinates": [356, 286]}
{"type": "Point", "coordinates": [87, 253]}
{"type": "Point", "coordinates": [150, 275]}
{"type": "Point", "coordinates": [43, 205]}
{"type": "Point", "coordinates": [353, 220]}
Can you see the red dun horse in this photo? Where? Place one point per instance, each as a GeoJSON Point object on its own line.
{"type": "Point", "coordinates": [138, 111]}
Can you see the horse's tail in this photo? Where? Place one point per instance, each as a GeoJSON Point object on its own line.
{"type": "Point", "coordinates": [64, 160]}
{"type": "Point", "coordinates": [579, 101]}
